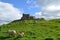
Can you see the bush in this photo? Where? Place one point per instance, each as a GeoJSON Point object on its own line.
{"type": "Point", "coordinates": [49, 39]}
{"type": "Point", "coordinates": [58, 38]}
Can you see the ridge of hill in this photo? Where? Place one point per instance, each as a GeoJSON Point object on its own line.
{"type": "Point", "coordinates": [39, 30]}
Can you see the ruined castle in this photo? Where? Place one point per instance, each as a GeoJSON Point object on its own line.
{"type": "Point", "coordinates": [25, 17]}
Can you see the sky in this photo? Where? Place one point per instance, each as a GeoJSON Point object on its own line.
{"type": "Point", "coordinates": [26, 6]}
{"type": "Point", "coordinates": [50, 9]}
{"type": "Point", "coordinates": [11, 10]}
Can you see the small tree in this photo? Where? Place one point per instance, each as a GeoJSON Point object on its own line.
{"type": "Point", "coordinates": [0, 28]}
{"type": "Point", "coordinates": [49, 39]}
{"type": "Point", "coordinates": [41, 19]}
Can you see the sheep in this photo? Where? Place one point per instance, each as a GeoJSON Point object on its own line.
{"type": "Point", "coordinates": [20, 34]}
{"type": "Point", "coordinates": [11, 32]}
{"type": "Point", "coordinates": [36, 21]}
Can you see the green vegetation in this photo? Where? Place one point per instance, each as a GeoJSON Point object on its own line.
{"type": "Point", "coordinates": [39, 30]}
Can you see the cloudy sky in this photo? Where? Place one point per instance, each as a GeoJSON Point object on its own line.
{"type": "Point", "coordinates": [13, 9]}
{"type": "Point", "coordinates": [50, 8]}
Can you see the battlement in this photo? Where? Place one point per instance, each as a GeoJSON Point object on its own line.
{"type": "Point", "coordinates": [27, 17]}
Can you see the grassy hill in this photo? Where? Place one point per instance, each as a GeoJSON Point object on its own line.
{"type": "Point", "coordinates": [33, 30]}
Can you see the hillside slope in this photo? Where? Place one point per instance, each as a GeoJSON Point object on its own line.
{"type": "Point", "coordinates": [33, 30]}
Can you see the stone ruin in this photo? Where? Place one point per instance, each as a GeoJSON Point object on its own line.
{"type": "Point", "coordinates": [25, 17]}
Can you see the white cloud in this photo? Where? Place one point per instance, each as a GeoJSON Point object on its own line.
{"type": "Point", "coordinates": [53, 8]}
{"type": "Point", "coordinates": [50, 8]}
{"type": "Point", "coordinates": [8, 13]}
{"type": "Point", "coordinates": [28, 1]}
{"type": "Point", "coordinates": [31, 4]}
{"type": "Point", "coordinates": [43, 3]}
{"type": "Point", "coordinates": [38, 15]}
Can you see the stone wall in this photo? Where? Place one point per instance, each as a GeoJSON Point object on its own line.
{"type": "Point", "coordinates": [27, 17]}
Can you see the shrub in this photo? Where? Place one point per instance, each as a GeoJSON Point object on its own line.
{"type": "Point", "coordinates": [49, 39]}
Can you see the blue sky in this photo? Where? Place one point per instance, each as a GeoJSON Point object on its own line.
{"type": "Point", "coordinates": [11, 9]}
{"type": "Point", "coordinates": [26, 6]}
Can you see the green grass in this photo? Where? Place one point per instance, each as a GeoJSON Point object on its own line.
{"type": "Point", "coordinates": [33, 31]}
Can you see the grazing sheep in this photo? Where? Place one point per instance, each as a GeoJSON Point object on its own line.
{"type": "Point", "coordinates": [36, 21]}
{"type": "Point", "coordinates": [20, 34]}
{"type": "Point", "coordinates": [11, 32]}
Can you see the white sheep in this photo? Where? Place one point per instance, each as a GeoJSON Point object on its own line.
{"type": "Point", "coordinates": [20, 34]}
{"type": "Point", "coordinates": [11, 32]}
